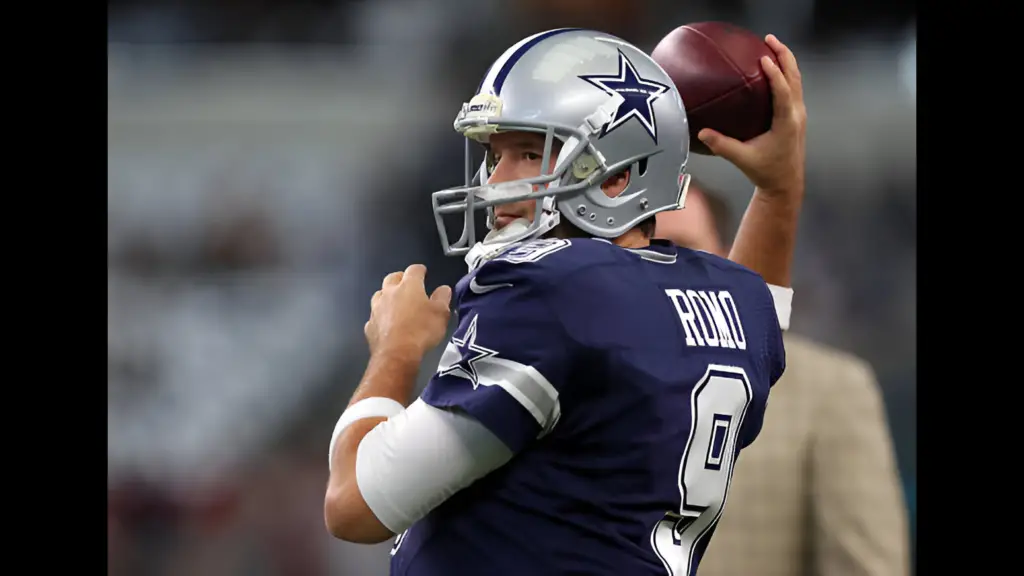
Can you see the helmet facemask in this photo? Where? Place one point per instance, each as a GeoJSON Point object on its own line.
{"type": "Point", "coordinates": [580, 168]}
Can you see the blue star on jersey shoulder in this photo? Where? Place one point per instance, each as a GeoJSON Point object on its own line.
{"type": "Point", "coordinates": [469, 354]}
{"type": "Point", "coordinates": [638, 96]}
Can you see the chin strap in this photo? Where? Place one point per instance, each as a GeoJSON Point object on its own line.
{"type": "Point", "coordinates": [497, 241]}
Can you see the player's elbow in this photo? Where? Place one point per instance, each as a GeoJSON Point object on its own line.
{"type": "Point", "coordinates": [351, 520]}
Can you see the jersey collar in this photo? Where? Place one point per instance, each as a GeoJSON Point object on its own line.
{"type": "Point", "coordinates": [660, 251]}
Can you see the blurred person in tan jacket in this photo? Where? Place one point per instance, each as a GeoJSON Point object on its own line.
{"type": "Point", "coordinates": [818, 493]}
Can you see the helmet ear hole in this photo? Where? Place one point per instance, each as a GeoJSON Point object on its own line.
{"type": "Point", "coordinates": [641, 167]}
{"type": "Point", "coordinates": [617, 184]}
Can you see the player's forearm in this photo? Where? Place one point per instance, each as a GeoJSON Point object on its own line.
{"type": "Point", "coordinates": [388, 375]}
{"type": "Point", "coordinates": [766, 238]}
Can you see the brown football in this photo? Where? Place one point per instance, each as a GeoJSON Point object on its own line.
{"type": "Point", "coordinates": [717, 69]}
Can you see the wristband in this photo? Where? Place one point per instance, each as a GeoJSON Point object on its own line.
{"type": "Point", "coordinates": [783, 298]}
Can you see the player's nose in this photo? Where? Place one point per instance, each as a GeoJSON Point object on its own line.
{"type": "Point", "coordinates": [505, 170]}
{"type": "Point", "coordinates": [498, 175]}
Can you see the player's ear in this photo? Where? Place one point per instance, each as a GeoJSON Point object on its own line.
{"type": "Point", "coordinates": [614, 185]}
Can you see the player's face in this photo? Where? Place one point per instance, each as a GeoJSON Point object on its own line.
{"type": "Point", "coordinates": [514, 156]}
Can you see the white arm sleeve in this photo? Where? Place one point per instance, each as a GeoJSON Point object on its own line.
{"type": "Point", "coordinates": [783, 304]}
{"type": "Point", "coordinates": [412, 462]}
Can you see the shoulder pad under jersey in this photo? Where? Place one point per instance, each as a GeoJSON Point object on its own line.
{"type": "Point", "coordinates": [536, 262]}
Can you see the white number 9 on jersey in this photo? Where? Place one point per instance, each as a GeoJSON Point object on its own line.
{"type": "Point", "coordinates": [718, 404]}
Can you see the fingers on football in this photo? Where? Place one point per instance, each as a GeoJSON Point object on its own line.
{"type": "Point", "coordinates": [782, 97]}
{"type": "Point", "coordinates": [392, 279]}
{"type": "Point", "coordinates": [442, 296]}
{"type": "Point", "coordinates": [721, 145]}
{"type": "Point", "coordinates": [789, 66]}
{"type": "Point", "coordinates": [374, 299]}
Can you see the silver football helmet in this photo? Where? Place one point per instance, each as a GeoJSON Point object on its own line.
{"type": "Point", "coordinates": [612, 108]}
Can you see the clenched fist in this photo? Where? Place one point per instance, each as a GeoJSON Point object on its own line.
{"type": "Point", "coordinates": [403, 320]}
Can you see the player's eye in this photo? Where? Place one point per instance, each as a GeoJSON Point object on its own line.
{"type": "Point", "coordinates": [531, 156]}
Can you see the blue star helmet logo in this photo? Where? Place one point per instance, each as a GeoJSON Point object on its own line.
{"type": "Point", "coordinates": [470, 353]}
{"type": "Point", "coordinates": [638, 96]}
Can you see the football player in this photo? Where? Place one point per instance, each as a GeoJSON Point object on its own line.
{"type": "Point", "coordinates": [586, 415]}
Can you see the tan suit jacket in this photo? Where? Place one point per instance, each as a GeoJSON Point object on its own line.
{"type": "Point", "coordinates": [817, 493]}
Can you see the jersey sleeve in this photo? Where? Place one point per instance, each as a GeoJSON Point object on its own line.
{"type": "Point", "coordinates": [508, 358]}
{"type": "Point", "coordinates": [770, 362]}
{"type": "Point", "coordinates": [775, 350]}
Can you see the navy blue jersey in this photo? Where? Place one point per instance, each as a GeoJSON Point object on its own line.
{"type": "Point", "coordinates": [626, 382]}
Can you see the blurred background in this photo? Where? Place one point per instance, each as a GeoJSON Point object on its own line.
{"type": "Point", "coordinates": [269, 161]}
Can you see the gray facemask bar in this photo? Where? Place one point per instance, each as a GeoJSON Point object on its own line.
{"type": "Point", "coordinates": [465, 200]}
